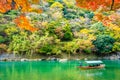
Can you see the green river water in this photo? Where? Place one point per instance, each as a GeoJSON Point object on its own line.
{"type": "Point", "coordinates": [51, 70]}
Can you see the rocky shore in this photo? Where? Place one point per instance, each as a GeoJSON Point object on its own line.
{"type": "Point", "coordinates": [12, 57]}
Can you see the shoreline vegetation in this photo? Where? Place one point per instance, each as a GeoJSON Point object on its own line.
{"type": "Point", "coordinates": [60, 29]}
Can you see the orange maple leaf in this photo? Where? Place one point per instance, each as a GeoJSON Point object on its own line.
{"type": "Point", "coordinates": [23, 23]}
{"type": "Point", "coordinates": [5, 6]}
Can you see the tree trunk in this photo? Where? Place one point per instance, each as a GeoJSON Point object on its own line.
{"type": "Point", "coordinates": [112, 4]}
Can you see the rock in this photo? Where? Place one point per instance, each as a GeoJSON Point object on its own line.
{"type": "Point", "coordinates": [24, 59]}
{"type": "Point", "coordinates": [77, 59]}
{"type": "Point", "coordinates": [39, 59]}
{"type": "Point", "coordinates": [106, 57]}
{"type": "Point", "coordinates": [118, 53]}
{"type": "Point", "coordinates": [111, 58]}
{"type": "Point", "coordinates": [5, 59]}
{"type": "Point", "coordinates": [85, 59]}
{"type": "Point", "coordinates": [54, 59]}
{"type": "Point", "coordinates": [63, 60]}
{"type": "Point", "coordinates": [43, 59]}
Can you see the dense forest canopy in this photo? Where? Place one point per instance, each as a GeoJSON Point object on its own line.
{"type": "Point", "coordinates": [96, 4]}
{"type": "Point", "coordinates": [59, 26]}
{"type": "Point", "coordinates": [23, 5]}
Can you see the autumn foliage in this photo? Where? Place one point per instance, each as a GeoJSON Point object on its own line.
{"type": "Point", "coordinates": [23, 23]}
{"type": "Point", "coordinates": [35, 1]}
{"type": "Point", "coordinates": [23, 5]}
{"type": "Point", "coordinates": [96, 4]}
{"type": "Point", "coordinates": [5, 6]}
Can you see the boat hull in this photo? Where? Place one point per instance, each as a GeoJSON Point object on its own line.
{"type": "Point", "coordinates": [95, 67]}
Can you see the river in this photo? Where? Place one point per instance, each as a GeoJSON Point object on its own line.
{"type": "Point", "coordinates": [53, 70]}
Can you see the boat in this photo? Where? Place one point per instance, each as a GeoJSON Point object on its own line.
{"type": "Point", "coordinates": [91, 65]}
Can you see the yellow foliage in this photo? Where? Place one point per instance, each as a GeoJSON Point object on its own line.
{"type": "Point", "coordinates": [84, 31]}
{"type": "Point", "coordinates": [51, 1]}
{"type": "Point", "coordinates": [57, 5]}
{"type": "Point", "coordinates": [11, 30]}
{"type": "Point", "coordinates": [69, 2]}
{"type": "Point", "coordinates": [116, 46]}
{"type": "Point", "coordinates": [84, 44]}
{"type": "Point", "coordinates": [85, 34]}
{"type": "Point", "coordinates": [44, 23]}
{"type": "Point", "coordinates": [82, 19]}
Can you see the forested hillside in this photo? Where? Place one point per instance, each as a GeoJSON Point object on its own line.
{"type": "Point", "coordinates": [56, 27]}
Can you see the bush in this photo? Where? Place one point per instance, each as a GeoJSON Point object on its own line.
{"type": "Point", "coordinates": [85, 46]}
{"type": "Point", "coordinates": [46, 49]}
{"type": "Point", "coordinates": [68, 36]}
{"type": "Point", "coordinates": [50, 49]}
{"type": "Point", "coordinates": [3, 48]}
{"type": "Point", "coordinates": [90, 14]}
{"type": "Point", "coordinates": [2, 39]}
{"type": "Point", "coordinates": [116, 46]}
{"type": "Point", "coordinates": [104, 43]}
{"type": "Point", "coordinates": [98, 28]}
{"type": "Point", "coordinates": [70, 47]}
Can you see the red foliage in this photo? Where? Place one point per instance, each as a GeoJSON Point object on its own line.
{"type": "Point", "coordinates": [95, 4]}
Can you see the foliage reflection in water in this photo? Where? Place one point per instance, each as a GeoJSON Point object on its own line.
{"type": "Point", "coordinates": [49, 70]}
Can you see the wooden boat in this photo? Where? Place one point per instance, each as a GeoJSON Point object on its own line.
{"type": "Point", "coordinates": [92, 65]}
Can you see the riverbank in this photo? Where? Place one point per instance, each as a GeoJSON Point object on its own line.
{"type": "Point", "coordinates": [64, 57]}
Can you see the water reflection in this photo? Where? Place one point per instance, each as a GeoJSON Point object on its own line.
{"type": "Point", "coordinates": [46, 70]}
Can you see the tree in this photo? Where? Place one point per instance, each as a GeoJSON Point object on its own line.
{"type": "Point", "coordinates": [23, 5]}
{"type": "Point", "coordinates": [112, 4]}
{"type": "Point", "coordinates": [23, 23]}
{"type": "Point", "coordinates": [5, 6]}
{"type": "Point", "coordinates": [96, 4]}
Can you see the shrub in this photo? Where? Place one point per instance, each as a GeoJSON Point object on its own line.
{"type": "Point", "coordinates": [46, 49]}
{"type": "Point", "coordinates": [2, 39]}
{"type": "Point", "coordinates": [70, 47]}
{"type": "Point", "coordinates": [3, 48]}
{"type": "Point", "coordinates": [85, 45]}
{"type": "Point", "coordinates": [50, 49]}
{"type": "Point", "coordinates": [11, 31]}
{"type": "Point", "coordinates": [116, 46]}
{"type": "Point", "coordinates": [104, 43]}
{"type": "Point", "coordinates": [68, 36]}
{"type": "Point", "coordinates": [98, 28]}
{"type": "Point", "coordinates": [90, 14]}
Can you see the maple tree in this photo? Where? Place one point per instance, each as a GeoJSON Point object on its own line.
{"type": "Point", "coordinates": [23, 23]}
{"type": "Point", "coordinates": [23, 5]}
{"type": "Point", "coordinates": [5, 6]}
{"type": "Point", "coordinates": [96, 4]}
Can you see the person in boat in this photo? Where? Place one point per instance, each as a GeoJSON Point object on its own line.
{"type": "Point", "coordinates": [80, 64]}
